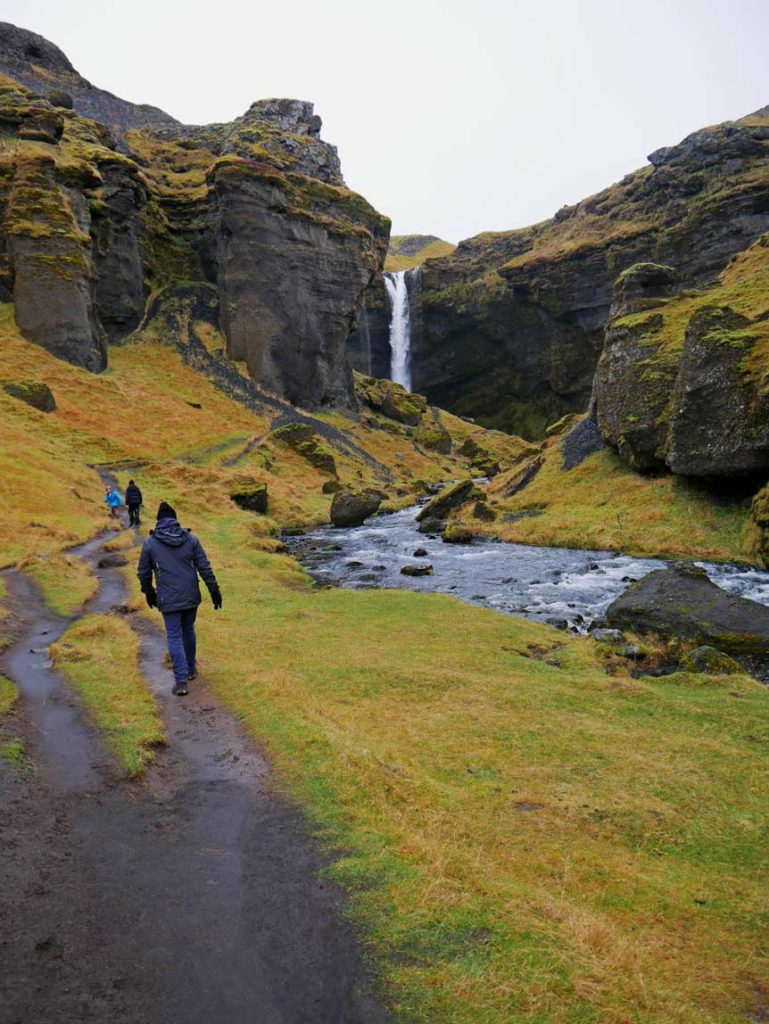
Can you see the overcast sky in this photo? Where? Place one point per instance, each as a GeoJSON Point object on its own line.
{"type": "Point", "coordinates": [451, 117]}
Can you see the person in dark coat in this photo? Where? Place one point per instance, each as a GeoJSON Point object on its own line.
{"type": "Point", "coordinates": [176, 558]}
{"type": "Point", "coordinates": [133, 500]}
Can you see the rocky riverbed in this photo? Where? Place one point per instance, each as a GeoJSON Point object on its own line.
{"type": "Point", "coordinates": [566, 587]}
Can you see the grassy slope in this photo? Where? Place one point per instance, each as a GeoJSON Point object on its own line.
{"type": "Point", "coordinates": [422, 735]}
{"type": "Point", "coordinates": [604, 504]}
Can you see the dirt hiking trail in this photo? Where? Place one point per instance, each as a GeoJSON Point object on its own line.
{"type": "Point", "coordinates": [192, 897]}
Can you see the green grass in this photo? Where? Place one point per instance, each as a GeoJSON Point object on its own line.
{"type": "Point", "coordinates": [14, 753]}
{"type": "Point", "coordinates": [99, 655]}
{"type": "Point", "coordinates": [12, 749]}
{"type": "Point", "coordinates": [67, 582]}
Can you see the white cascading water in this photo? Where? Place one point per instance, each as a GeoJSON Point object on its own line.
{"type": "Point", "coordinates": [400, 328]}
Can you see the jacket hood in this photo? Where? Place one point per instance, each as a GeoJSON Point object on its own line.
{"type": "Point", "coordinates": [169, 532]}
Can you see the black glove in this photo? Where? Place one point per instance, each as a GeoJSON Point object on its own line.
{"type": "Point", "coordinates": [216, 597]}
{"type": "Point", "coordinates": [151, 597]}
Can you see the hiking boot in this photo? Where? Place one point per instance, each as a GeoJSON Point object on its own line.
{"type": "Point", "coordinates": [180, 689]}
{"type": "Point", "coordinates": [192, 675]}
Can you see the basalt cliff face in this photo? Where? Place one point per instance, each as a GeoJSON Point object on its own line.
{"type": "Point", "coordinates": [513, 322]}
{"type": "Point", "coordinates": [103, 202]}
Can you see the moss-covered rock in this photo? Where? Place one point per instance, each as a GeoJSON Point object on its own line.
{"type": "Point", "coordinates": [36, 394]}
{"type": "Point", "coordinates": [482, 462]}
{"type": "Point", "coordinates": [710, 661]}
{"type": "Point", "coordinates": [351, 509]}
{"type": "Point", "coordinates": [447, 500]}
{"type": "Point", "coordinates": [681, 602]}
{"type": "Point", "coordinates": [251, 496]}
{"type": "Point", "coordinates": [416, 570]}
{"type": "Point", "coordinates": [61, 98]}
{"type": "Point", "coordinates": [483, 512]}
{"type": "Point", "coordinates": [302, 439]}
{"type": "Point", "coordinates": [391, 399]}
{"type": "Point", "coordinates": [455, 533]}
{"type": "Point", "coordinates": [431, 434]}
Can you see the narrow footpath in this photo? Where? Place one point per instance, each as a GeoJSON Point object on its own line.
{"type": "Point", "coordinates": [192, 897]}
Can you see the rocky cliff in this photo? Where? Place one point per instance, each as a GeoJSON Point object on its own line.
{"type": "Point", "coordinates": [683, 380]}
{"type": "Point", "coordinates": [513, 321]}
{"type": "Point", "coordinates": [103, 203]}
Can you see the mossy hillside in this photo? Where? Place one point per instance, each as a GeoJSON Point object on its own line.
{"type": "Point", "coordinates": [150, 407]}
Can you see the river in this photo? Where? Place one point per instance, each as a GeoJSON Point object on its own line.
{"type": "Point", "coordinates": [564, 586]}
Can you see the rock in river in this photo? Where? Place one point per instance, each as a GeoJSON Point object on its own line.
{"type": "Point", "coordinates": [682, 602]}
{"type": "Point", "coordinates": [348, 509]}
{"type": "Point", "coordinates": [417, 570]}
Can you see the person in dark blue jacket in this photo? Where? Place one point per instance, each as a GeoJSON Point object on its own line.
{"type": "Point", "coordinates": [176, 559]}
{"type": "Point", "coordinates": [133, 500]}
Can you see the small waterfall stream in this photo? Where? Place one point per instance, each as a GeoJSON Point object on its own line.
{"type": "Point", "coordinates": [400, 327]}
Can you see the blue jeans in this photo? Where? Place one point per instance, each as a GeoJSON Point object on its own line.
{"type": "Point", "coordinates": [180, 634]}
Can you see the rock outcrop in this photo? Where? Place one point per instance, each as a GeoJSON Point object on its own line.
{"type": "Point", "coordinates": [123, 201]}
{"type": "Point", "coordinates": [294, 257]}
{"type": "Point", "coordinates": [682, 380]}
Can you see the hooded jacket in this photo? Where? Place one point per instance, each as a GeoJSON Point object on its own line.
{"type": "Point", "coordinates": [113, 499]}
{"type": "Point", "coordinates": [176, 558]}
{"type": "Point", "coordinates": [133, 496]}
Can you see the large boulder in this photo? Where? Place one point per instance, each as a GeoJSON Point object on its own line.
{"type": "Point", "coordinates": [682, 602]}
{"type": "Point", "coordinates": [391, 400]}
{"type": "Point", "coordinates": [431, 434]}
{"type": "Point", "coordinates": [302, 439]}
{"type": "Point", "coordinates": [349, 509]}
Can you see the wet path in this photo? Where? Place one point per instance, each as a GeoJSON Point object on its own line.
{"type": "Point", "coordinates": [193, 896]}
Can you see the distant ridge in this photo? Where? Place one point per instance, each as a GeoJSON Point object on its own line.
{"type": "Point", "coordinates": [407, 251]}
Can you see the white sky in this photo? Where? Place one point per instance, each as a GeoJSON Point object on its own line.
{"type": "Point", "coordinates": [451, 117]}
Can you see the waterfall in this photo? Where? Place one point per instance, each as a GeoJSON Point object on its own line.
{"type": "Point", "coordinates": [400, 328]}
